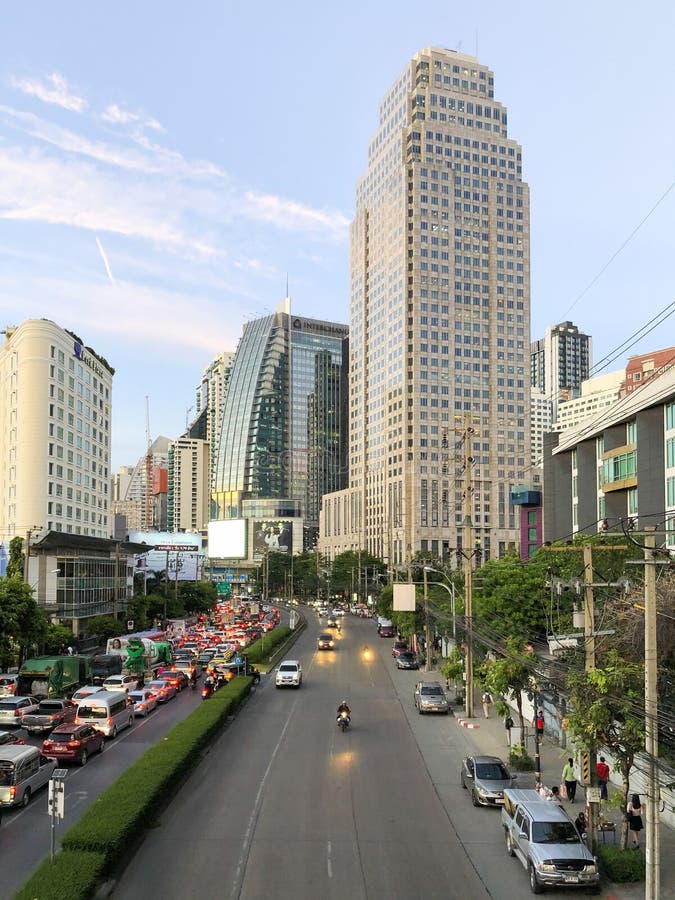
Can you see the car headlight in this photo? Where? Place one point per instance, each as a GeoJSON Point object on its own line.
{"type": "Point", "coordinates": [590, 869]}
{"type": "Point", "coordinates": [548, 868]}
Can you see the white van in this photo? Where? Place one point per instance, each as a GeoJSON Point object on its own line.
{"type": "Point", "coordinates": [23, 770]}
{"type": "Point", "coordinates": [85, 691]}
{"type": "Point", "coordinates": [107, 711]}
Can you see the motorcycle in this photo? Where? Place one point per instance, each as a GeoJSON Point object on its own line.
{"type": "Point", "coordinates": [343, 720]}
{"type": "Point", "coordinates": [207, 690]}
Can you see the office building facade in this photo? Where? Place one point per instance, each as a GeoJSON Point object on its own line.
{"type": "Point", "coordinates": [55, 415]}
{"type": "Point", "coordinates": [439, 322]}
{"type": "Point", "coordinates": [282, 428]}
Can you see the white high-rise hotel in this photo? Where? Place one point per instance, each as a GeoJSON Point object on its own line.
{"type": "Point", "coordinates": [55, 415]}
{"type": "Point", "coordinates": [439, 321]}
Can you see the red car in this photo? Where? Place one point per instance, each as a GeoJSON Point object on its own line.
{"type": "Point", "coordinates": [163, 689]}
{"type": "Point", "coordinates": [8, 737]}
{"type": "Point", "coordinates": [73, 743]}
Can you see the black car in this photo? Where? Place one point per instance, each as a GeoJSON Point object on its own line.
{"type": "Point", "coordinates": [407, 659]}
{"type": "Point", "coordinates": [325, 642]}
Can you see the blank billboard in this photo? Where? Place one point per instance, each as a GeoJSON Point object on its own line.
{"type": "Point", "coordinates": [227, 539]}
{"type": "Point", "coordinates": [404, 597]}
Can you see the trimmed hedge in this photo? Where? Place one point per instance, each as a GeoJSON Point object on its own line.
{"type": "Point", "coordinates": [622, 865]}
{"type": "Point", "coordinates": [114, 822]}
{"type": "Point", "coordinates": [74, 875]}
{"type": "Point", "coordinates": [263, 647]}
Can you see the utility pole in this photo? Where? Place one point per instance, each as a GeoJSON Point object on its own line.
{"type": "Point", "coordinates": [427, 630]}
{"type": "Point", "coordinates": [589, 643]}
{"type": "Point", "coordinates": [468, 568]}
{"type": "Point", "coordinates": [26, 555]}
{"type": "Point", "coordinates": [652, 837]}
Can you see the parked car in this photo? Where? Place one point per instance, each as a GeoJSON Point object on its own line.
{"type": "Point", "coordinates": [289, 674]}
{"type": "Point", "coordinates": [398, 647]}
{"type": "Point", "coordinates": [430, 697]}
{"type": "Point", "coordinates": [162, 689]}
{"type": "Point", "coordinates": [547, 843]}
{"type": "Point", "coordinates": [486, 777]}
{"type": "Point", "coordinates": [407, 659]}
{"type": "Point", "coordinates": [121, 683]}
{"type": "Point", "coordinates": [13, 709]}
{"type": "Point", "coordinates": [325, 642]}
{"type": "Point", "coordinates": [387, 631]}
{"type": "Point", "coordinates": [73, 743]}
{"type": "Point", "coordinates": [144, 702]}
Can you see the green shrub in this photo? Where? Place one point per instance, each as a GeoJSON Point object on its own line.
{"type": "Point", "coordinates": [74, 875]}
{"type": "Point", "coordinates": [621, 865]}
{"type": "Point", "coordinates": [263, 647]}
{"type": "Point", "coordinates": [114, 822]}
{"type": "Point", "coordinates": [519, 759]}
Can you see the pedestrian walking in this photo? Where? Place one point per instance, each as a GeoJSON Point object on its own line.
{"type": "Point", "coordinates": [570, 779]}
{"type": "Point", "coordinates": [508, 725]}
{"type": "Point", "coordinates": [539, 725]}
{"type": "Point", "coordinates": [634, 812]}
{"type": "Point", "coordinates": [486, 700]}
{"type": "Point", "coordinates": [602, 770]}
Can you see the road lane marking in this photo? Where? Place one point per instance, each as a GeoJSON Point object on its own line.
{"type": "Point", "coordinates": [329, 863]}
{"type": "Point", "coordinates": [238, 880]}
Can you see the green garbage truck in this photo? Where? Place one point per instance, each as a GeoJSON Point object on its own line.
{"type": "Point", "coordinates": [53, 676]}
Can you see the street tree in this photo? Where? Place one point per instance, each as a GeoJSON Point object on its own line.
{"type": "Point", "coordinates": [509, 592]}
{"type": "Point", "coordinates": [605, 704]}
{"type": "Point", "coordinates": [16, 557]}
{"type": "Point", "coordinates": [511, 674]}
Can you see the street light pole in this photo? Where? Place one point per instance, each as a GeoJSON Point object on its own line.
{"type": "Point", "coordinates": [427, 630]}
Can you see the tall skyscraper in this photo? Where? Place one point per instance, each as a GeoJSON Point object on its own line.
{"type": "Point", "coordinates": [55, 413]}
{"type": "Point", "coordinates": [559, 362]}
{"type": "Point", "coordinates": [282, 429]}
{"type": "Point", "coordinates": [439, 321]}
{"type": "Point", "coordinates": [210, 401]}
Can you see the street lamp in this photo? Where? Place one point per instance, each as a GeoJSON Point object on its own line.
{"type": "Point", "coordinates": [450, 588]}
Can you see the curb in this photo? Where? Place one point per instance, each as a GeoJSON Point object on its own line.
{"type": "Point", "coordinates": [466, 724]}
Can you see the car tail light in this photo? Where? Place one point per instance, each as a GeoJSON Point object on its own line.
{"type": "Point", "coordinates": [109, 722]}
{"type": "Point", "coordinates": [74, 743]}
{"type": "Point", "coordinates": [17, 712]}
{"type": "Point", "coordinates": [12, 794]}
{"type": "Point", "coordinates": [78, 720]}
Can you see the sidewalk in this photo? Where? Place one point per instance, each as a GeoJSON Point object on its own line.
{"type": "Point", "coordinates": [489, 737]}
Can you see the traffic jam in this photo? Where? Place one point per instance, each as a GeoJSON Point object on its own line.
{"type": "Point", "coordinates": [65, 709]}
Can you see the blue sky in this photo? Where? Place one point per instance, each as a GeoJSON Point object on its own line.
{"type": "Point", "coordinates": [164, 166]}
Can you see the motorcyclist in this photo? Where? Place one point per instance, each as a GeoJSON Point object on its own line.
{"type": "Point", "coordinates": [344, 708]}
{"type": "Point", "coordinates": [193, 679]}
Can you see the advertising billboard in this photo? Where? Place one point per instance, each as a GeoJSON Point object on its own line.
{"type": "Point", "coordinates": [227, 539]}
{"type": "Point", "coordinates": [181, 550]}
{"type": "Point", "coordinates": [273, 535]}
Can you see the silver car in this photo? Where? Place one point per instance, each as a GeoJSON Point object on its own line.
{"type": "Point", "coordinates": [486, 777]}
{"type": "Point", "coordinates": [13, 709]}
{"type": "Point", "coordinates": [430, 697]}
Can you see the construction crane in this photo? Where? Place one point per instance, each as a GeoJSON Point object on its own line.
{"type": "Point", "coordinates": [148, 468]}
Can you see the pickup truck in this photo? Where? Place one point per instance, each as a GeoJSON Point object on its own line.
{"type": "Point", "coordinates": [49, 714]}
{"type": "Point", "coordinates": [545, 840]}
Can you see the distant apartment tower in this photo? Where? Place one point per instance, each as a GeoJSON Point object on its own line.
{"type": "Point", "coordinates": [210, 400]}
{"type": "Point", "coordinates": [144, 503]}
{"type": "Point", "coordinates": [282, 430]}
{"type": "Point", "coordinates": [439, 322]}
{"type": "Point", "coordinates": [55, 414]}
{"type": "Point", "coordinates": [189, 491]}
{"type": "Point", "coordinates": [559, 362]}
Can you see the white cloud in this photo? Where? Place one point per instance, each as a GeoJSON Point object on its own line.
{"type": "Point", "coordinates": [56, 91]}
{"type": "Point", "coordinates": [118, 116]}
{"type": "Point", "coordinates": [290, 214]}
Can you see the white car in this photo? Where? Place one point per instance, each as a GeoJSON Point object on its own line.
{"type": "Point", "coordinates": [13, 709]}
{"type": "Point", "coordinates": [144, 702]}
{"type": "Point", "coordinates": [121, 683]}
{"type": "Point", "coordinates": [289, 674]}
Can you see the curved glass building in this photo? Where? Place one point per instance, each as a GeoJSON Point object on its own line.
{"type": "Point", "coordinates": [283, 428]}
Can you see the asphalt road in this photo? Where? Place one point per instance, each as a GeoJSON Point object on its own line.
{"type": "Point", "coordinates": [25, 834]}
{"type": "Point", "coordinates": [285, 805]}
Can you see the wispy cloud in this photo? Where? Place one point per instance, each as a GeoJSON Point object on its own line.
{"type": "Point", "coordinates": [54, 89]}
{"type": "Point", "coordinates": [119, 116]}
{"type": "Point", "coordinates": [291, 215]}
